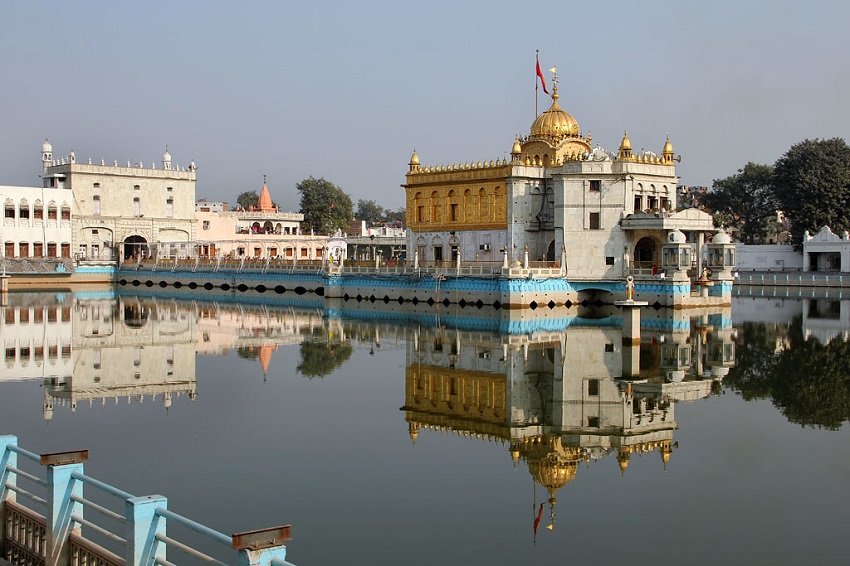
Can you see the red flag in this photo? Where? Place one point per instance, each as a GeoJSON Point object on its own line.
{"type": "Point", "coordinates": [540, 76]}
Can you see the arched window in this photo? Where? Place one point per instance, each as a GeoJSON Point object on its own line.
{"type": "Point", "coordinates": [38, 211]}
{"type": "Point", "coordinates": [24, 210]}
{"type": "Point", "coordinates": [435, 207]}
{"type": "Point", "coordinates": [483, 208]}
{"type": "Point", "coordinates": [10, 209]}
{"type": "Point", "coordinates": [66, 212]}
{"type": "Point", "coordinates": [137, 206]}
{"type": "Point", "coordinates": [52, 211]}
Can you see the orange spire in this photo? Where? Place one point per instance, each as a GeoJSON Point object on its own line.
{"type": "Point", "coordinates": [266, 357]}
{"type": "Point", "coordinates": [264, 204]}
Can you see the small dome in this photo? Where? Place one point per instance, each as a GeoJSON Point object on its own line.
{"type": "Point", "coordinates": [517, 148]}
{"type": "Point", "coordinates": [676, 237]}
{"type": "Point", "coordinates": [668, 147]}
{"type": "Point", "coordinates": [626, 143]}
{"type": "Point", "coordinates": [166, 156]}
{"type": "Point", "coordinates": [414, 159]}
{"type": "Point", "coordinates": [721, 237]}
{"type": "Point", "coordinates": [555, 123]}
{"type": "Point", "coordinates": [46, 147]}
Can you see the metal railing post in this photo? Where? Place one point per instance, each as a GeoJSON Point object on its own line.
{"type": "Point", "coordinates": [274, 556]}
{"type": "Point", "coordinates": [7, 459]}
{"type": "Point", "coordinates": [143, 526]}
{"type": "Point", "coordinates": [60, 508]}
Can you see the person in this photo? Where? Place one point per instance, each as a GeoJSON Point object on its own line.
{"type": "Point", "coordinates": [654, 270]}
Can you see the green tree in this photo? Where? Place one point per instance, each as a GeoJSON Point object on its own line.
{"type": "Point", "coordinates": [745, 201]}
{"type": "Point", "coordinates": [812, 183]}
{"type": "Point", "coordinates": [325, 206]}
{"type": "Point", "coordinates": [370, 211]}
{"type": "Point", "coordinates": [399, 215]}
{"type": "Point", "coordinates": [248, 199]}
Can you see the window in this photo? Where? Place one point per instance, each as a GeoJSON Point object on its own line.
{"type": "Point", "coordinates": [609, 347]}
{"type": "Point", "coordinates": [454, 212]}
{"type": "Point", "coordinates": [206, 224]}
{"type": "Point", "coordinates": [24, 249]}
{"type": "Point", "coordinates": [137, 206]}
{"type": "Point", "coordinates": [66, 250]}
{"type": "Point", "coordinates": [137, 188]}
{"type": "Point", "coordinates": [66, 213]}
{"type": "Point", "coordinates": [303, 252]}
{"type": "Point", "coordinates": [38, 212]}
{"type": "Point", "coordinates": [609, 260]}
{"type": "Point", "coordinates": [169, 208]}
{"type": "Point", "coordinates": [38, 249]}
{"type": "Point", "coordinates": [438, 253]}
{"type": "Point", "coordinates": [96, 185]}
{"type": "Point", "coordinates": [638, 203]}
{"type": "Point", "coordinates": [24, 211]}
{"type": "Point", "coordinates": [170, 189]}
{"type": "Point", "coordinates": [595, 185]}
{"type": "Point", "coordinates": [51, 212]}
{"type": "Point", "coordinates": [594, 220]}
{"type": "Point", "coordinates": [96, 204]}
{"type": "Point", "coordinates": [593, 422]}
{"type": "Point", "coordinates": [51, 249]}
{"type": "Point", "coordinates": [10, 211]}
{"type": "Point", "coordinates": [420, 212]}
{"type": "Point", "coordinates": [9, 249]}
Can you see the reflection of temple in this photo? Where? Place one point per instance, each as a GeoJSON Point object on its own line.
{"type": "Point", "coordinates": [561, 398]}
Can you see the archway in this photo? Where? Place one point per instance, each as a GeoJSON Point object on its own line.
{"type": "Point", "coordinates": [646, 253]}
{"type": "Point", "coordinates": [135, 247]}
{"type": "Point", "coordinates": [550, 251]}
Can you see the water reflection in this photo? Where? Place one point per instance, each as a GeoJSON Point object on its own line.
{"type": "Point", "coordinates": [796, 354]}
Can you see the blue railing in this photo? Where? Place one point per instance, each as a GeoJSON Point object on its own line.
{"type": "Point", "coordinates": [140, 532]}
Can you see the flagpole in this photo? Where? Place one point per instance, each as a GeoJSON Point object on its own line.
{"type": "Point", "coordinates": [536, 85]}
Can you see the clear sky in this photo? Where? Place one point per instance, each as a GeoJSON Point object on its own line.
{"type": "Point", "coordinates": [346, 90]}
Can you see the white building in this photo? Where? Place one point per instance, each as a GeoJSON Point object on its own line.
{"type": "Point", "coordinates": [124, 209]}
{"type": "Point", "coordinates": [36, 222]}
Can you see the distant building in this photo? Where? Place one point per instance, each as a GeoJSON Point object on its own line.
{"type": "Point", "coordinates": [262, 232]}
{"type": "Point", "coordinates": [126, 210]}
{"type": "Point", "coordinates": [366, 240]}
{"type": "Point", "coordinates": [204, 205]}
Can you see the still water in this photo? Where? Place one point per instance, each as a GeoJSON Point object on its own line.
{"type": "Point", "coordinates": [450, 436]}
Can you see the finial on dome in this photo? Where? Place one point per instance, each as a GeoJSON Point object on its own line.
{"type": "Point", "coordinates": [625, 153]}
{"type": "Point", "coordinates": [414, 161]}
{"type": "Point", "coordinates": [667, 152]}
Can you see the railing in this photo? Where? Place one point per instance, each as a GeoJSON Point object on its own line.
{"type": "Point", "coordinates": [139, 532]}
{"type": "Point", "coordinates": [797, 279]}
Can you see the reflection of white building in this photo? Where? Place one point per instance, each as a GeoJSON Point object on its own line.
{"type": "Point", "coordinates": [133, 350]}
{"type": "Point", "coordinates": [36, 222]}
{"type": "Point", "coordinates": [37, 338]}
{"type": "Point", "coordinates": [125, 207]}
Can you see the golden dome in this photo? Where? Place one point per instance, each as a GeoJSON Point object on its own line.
{"type": "Point", "coordinates": [414, 159]}
{"type": "Point", "coordinates": [668, 147]}
{"type": "Point", "coordinates": [626, 143]}
{"type": "Point", "coordinates": [555, 122]}
{"type": "Point", "coordinates": [517, 148]}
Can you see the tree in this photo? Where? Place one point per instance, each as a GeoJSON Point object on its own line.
{"type": "Point", "coordinates": [398, 215]}
{"type": "Point", "coordinates": [248, 199]}
{"type": "Point", "coordinates": [812, 183]}
{"type": "Point", "coordinates": [745, 201]}
{"type": "Point", "coordinates": [325, 206]}
{"type": "Point", "coordinates": [370, 211]}
{"type": "Point", "coordinates": [320, 356]}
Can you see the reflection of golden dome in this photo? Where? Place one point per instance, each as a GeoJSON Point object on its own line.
{"type": "Point", "coordinates": [555, 122]}
{"type": "Point", "coordinates": [552, 472]}
{"type": "Point", "coordinates": [623, 456]}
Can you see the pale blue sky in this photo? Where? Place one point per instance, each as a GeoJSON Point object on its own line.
{"type": "Point", "coordinates": [346, 90]}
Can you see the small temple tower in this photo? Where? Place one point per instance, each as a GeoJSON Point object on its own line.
{"type": "Point", "coordinates": [166, 160]}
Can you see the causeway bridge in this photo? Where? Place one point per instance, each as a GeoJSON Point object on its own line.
{"type": "Point", "coordinates": [53, 514]}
